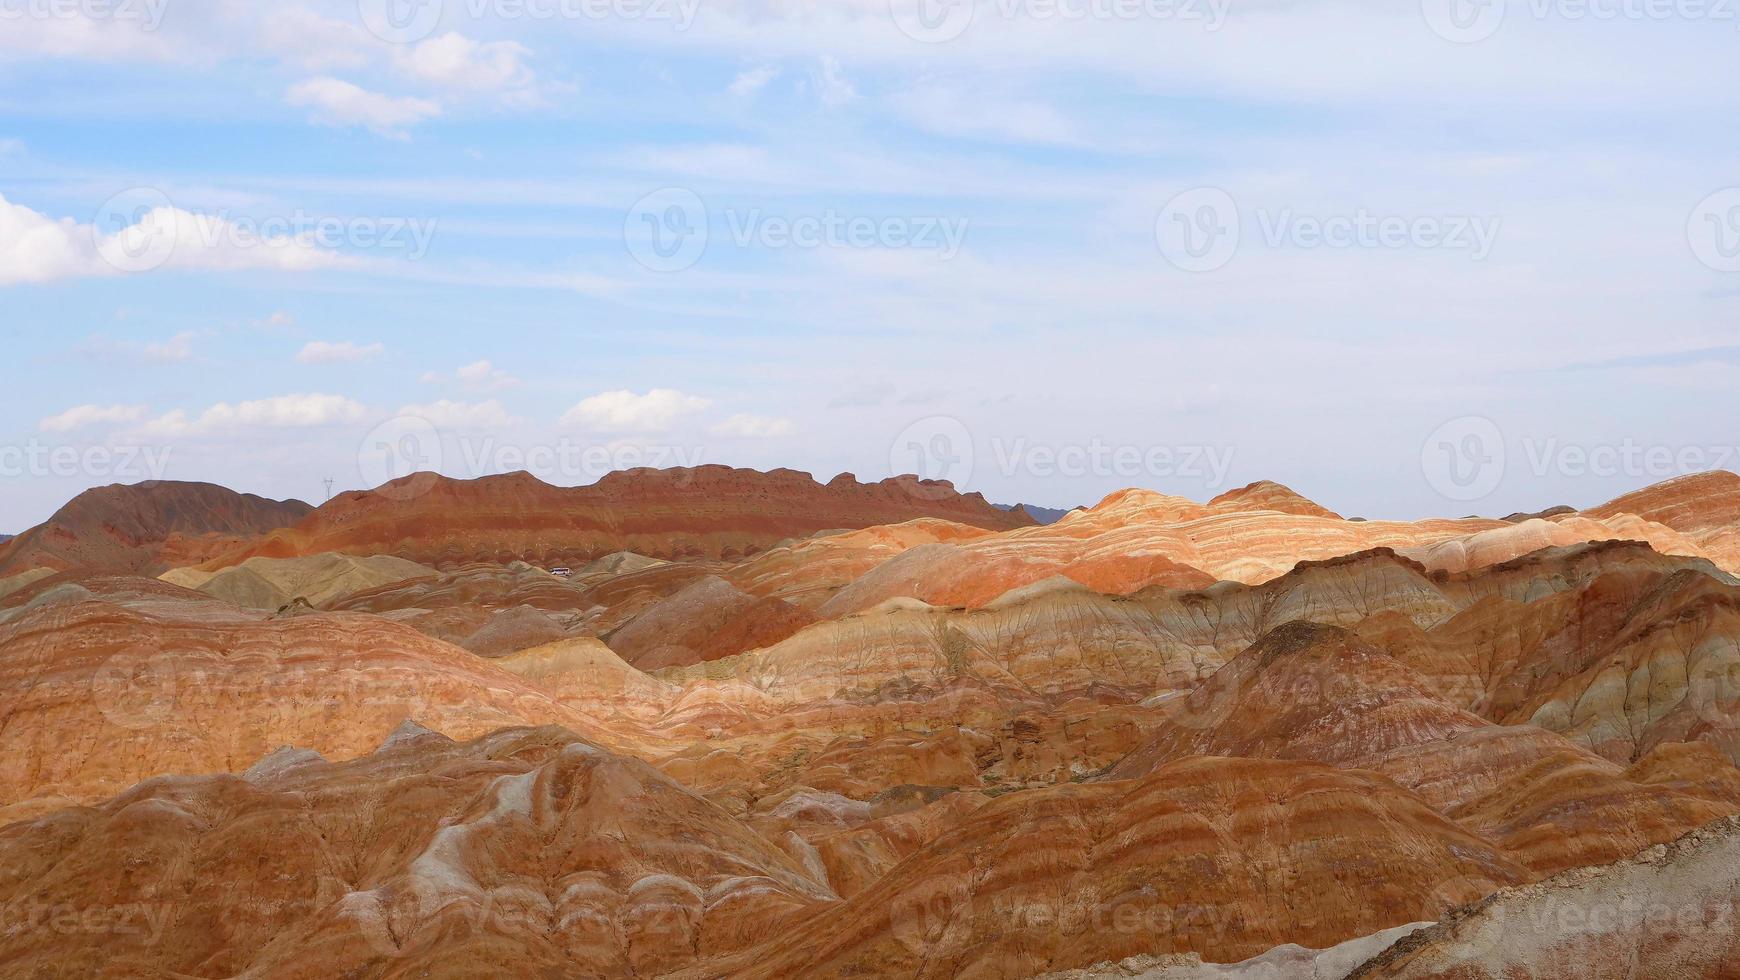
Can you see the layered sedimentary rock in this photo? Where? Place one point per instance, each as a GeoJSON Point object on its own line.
{"type": "Point", "coordinates": [146, 528]}
{"type": "Point", "coordinates": [1309, 691]}
{"type": "Point", "coordinates": [809, 572]}
{"type": "Point", "coordinates": [1667, 913]}
{"type": "Point", "coordinates": [1703, 506]}
{"type": "Point", "coordinates": [703, 512]}
{"type": "Point", "coordinates": [486, 608]}
{"type": "Point", "coordinates": [920, 749]}
{"type": "Point", "coordinates": [1136, 539]}
{"type": "Point", "coordinates": [707, 620]}
{"type": "Point", "coordinates": [530, 852]}
{"type": "Point", "coordinates": [271, 583]}
{"type": "Point", "coordinates": [1268, 495]}
{"type": "Point", "coordinates": [1226, 858]}
{"type": "Point", "coordinates": [105, 691]}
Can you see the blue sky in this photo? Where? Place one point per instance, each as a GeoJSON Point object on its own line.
{"type": "Point", "coordinates": [957, 255]}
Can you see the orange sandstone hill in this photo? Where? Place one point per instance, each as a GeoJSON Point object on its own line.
{"type": "Point", "coordinates": [1705, 507]}
{"type": "Point", "coordinates": [146, 527]}
{"type": "Point", "coordinates": [700, 512]}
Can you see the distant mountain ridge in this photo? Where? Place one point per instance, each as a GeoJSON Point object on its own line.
{"type": "Point", "coordinates": [715, 512]}
{"type": "Point", "coordinates": [1040, 515]}
{"type": "Point", "coordinates": [146, 527]}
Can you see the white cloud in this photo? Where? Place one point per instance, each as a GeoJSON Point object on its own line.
{"type": "Point", "coordinates": [753, 426]}
{"type": "Point", "coordinates": [625, 411]}
{"type": "Point", "coordinates": [82, 415]}
{"type": "Point", "coordinates": [174, 350]}
{"type": "Point", "coordinates": [460, 65]}
{"type": "Point", "coordinates": [339, 352]}
{"type": "Point", "coordinates": [832, 85]}
{"type": "Point", "coordinates": [35, 248]}
{"type": "Point", "coordinates": [752, 81]}
{"type": "Point", "coordinates": [339, 103]}
{"type": "Point", "coordinates": [303, 38]}
{"type": "Point", "coordinates": [445, 414]}
{"type": "Point", "coordinates": [478, 376]}
{"type": "Point", "coordinates": [281, 412]}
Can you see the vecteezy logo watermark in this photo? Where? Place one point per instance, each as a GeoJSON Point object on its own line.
{"type": "Point", "coordinates": [409, 21]}
{"type": "Point", "coordinates": [669, 229]}
{"type": "Point", "coordinates": [666, 231]}
{"type": "Point", "coordinates": [935, 448]}
{"type": "Point", "coordinates": [1201, 230]}
{"type": "Point", "coordinates": [1463, 21]}
{"type": "Point", "coordinates": [1464, 458]}
{"type": "Point", "coordinates": [401, 447]}
{"type": "Point", "coordinates": [937, 21]}
{"type": "Point", "coordinates": [935, 917]}
{"type": "Point", "coordinates": [136, 230]}
{"type": "Point", "coordinates": [137, 687]}
{"type": "Point", "coordinates": [1713, 229]}
{"type": "Point", "coordinates": [148, 14]}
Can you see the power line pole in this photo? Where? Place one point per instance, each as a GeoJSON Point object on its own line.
{"type": "Point", "coordinates": [328, 482]}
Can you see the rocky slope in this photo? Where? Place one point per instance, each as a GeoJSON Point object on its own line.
{"type": "Point", "coordinates": [1703, 506]}
{"type": "Point", "coordinates": [113, 685]}
{"type": "Point", "coordinates": [1666, 913]}
{"type": "Point", "coordinates": [703, 512]}
{"type": "Point", "coordinates": [423, 857]}
{"type": "Point", "coordinates": [271, 583]}
{"type": "Point", "coordinates": [923, 748]}
{"type": "Point", "coordinates": [146, 528]}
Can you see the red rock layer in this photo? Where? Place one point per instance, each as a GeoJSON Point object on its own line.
{"type": "Point", "coordinates": [146, 528]}
{"type": "Point", "coordinates": [105, 693]}
{"type": "Point", "coordinates": [529, 853]}
{"type": "Point", "coordinates": [703, 512]}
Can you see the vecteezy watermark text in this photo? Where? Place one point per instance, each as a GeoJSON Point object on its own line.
{"type": "Point", "coordinates": [942, 448]}
{"type": "Point", "coordinates": [408, 445]}
{"type": "Point", "coordinates": [938, 21]}
{"type": "Point", "coordinates": [35, 458]}
{"type": "Point", "coordinates": [148, 14]}
{"type": "Point", "coordinates": [669, 230]}
{"type": "Point", "coordinates": [1203, 229]}
{"type": "Point", "coordinates": [1466, 458]}
{"type": "Point", "coordinates": [141, 229]}
{"type": "Point", "coordinates": [1471, 21]}
{"type": "Point", "coordinates": [409, 21]}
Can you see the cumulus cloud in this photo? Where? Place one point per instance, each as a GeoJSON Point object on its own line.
{"type": "Point", "coordinates": [752, 81]}
{"type": "Point", "coordinates": [625, 411]}
{"type": "Point", "coordinates": [176, 350]}
{"type": "Point", "coordinates": [35, 248]}
{"type": "Point", "coordinates": [465, 67]}
{"type": "Point", "coordinates": [173, 350]}
{"type": "Point", "coordinates": [753, 426]}
{"type": "Point", "coordinates": [299, 411]}
{"type": "Point", "coordinates": [80, 416]}
{"type": "Point", "coordinates": [335, 102]}
{"type": "Point", "coordinates": [446, 414]}
{"type": "Point", "coordinates": [832, 85]}
{"type": "Point", "coordinates": [337, 352]}
{"type": "Point", "coordinates": [478, 376]}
